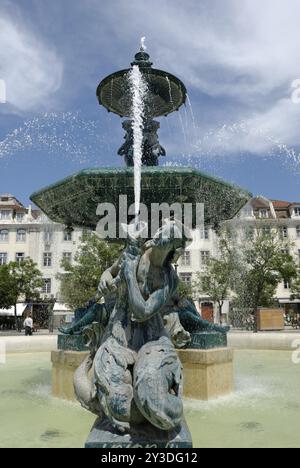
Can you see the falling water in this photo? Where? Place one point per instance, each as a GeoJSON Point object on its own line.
{"type": "Point", "coordinates": [218, 142]}
{"type": "Point", "coordinates": [191, 111]}
{"type": "Point", "coordinates": [138, 91]}
{"type": "Point", "coordinates": [170, 90]}
{"type": "Point", "coordinates": [67, 134]}
{"type": "Point", "coordinates": [179, 115]}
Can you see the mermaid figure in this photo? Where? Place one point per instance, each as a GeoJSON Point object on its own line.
{"type": "Point", "coordinates": [137, 376]}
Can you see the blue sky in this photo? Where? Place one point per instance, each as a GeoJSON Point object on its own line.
{"type": "Point", "coordinates": [237, 59]}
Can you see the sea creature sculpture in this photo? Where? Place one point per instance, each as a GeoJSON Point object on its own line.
{"type": "Point", "coordinates": [137, 376]}
{"type": "Point", "coordinates": [152, 149]}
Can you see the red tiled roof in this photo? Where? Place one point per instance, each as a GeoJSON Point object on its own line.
{"type": "Point", "coordinates": [281, 204]}
{"type": "Point", "coordinates": [12, 207]}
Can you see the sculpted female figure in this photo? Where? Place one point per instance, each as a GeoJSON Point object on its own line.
{"type": "Point", "coordinates": [137, 374]}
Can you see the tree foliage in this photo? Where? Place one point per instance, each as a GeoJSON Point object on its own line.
{"type": "Point", "coordinates": [80, 279]}
{"type": "Point", "coordinates": [19, 281]}
{"type": "Point", "coordinates": [185, 290]}
{"type": "Point", "coordinates": [295, 286]}
{"type": "Point", "coordinates": [216, 279]}
{"type": "Point", "coordinates": [265, 262]}
{"type": "Point", "coordinates": [28, 279]}
{"type": "Point", "coordinates": [8, 290]}
{"type": "Point", "coordinates": [248, 268]}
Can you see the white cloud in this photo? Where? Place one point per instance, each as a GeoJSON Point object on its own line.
{"type": "Point", "coordinates": [242, 54]}
{"type": "Point", "coordinates": [237, 58]}
{"type": "Point", "coordinates": [31, 70]}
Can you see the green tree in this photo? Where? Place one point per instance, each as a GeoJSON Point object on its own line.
{"type": "Point", "coordinates": [28, 279]}
{"type": "Point", "coordinates": [185, 290]}
{"type": "Point", "coordinates": [265, 262]}
{"type": "Point", "coordinates": [216, 278]}
{"type": "Point", "coordinates": [8, 290]}
{"type": "Point", "coordinates": [19, 280]}
{"type": "Point", "coordinates": [295, 286]}
{"type": "Point", "coordinates": [80, 280]}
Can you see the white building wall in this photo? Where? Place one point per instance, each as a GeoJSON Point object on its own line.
{"type": "Point", "coordinates": [35, 245]}
{"type": "Point", "coordinates": [56, 246]}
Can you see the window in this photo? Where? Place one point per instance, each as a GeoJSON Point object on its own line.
{"type": "Point", "coordinates": [204, 233]}
{"type": "Point", "coordinates": [47, 236]}
{"type": "Point", "coordinates": [5, 214]}
{"type": "Point", "coordinates": [4, 235]}
{"type": "Point", "coordinates": [186, 278]}
{"type": "Point", "coordinates": [297, 212]}
{"type": "Point", "coordinates": [21, 235]}
{"type": "Point", "coordinates": [285, 251]}
{"type": "Point", "coordinates": [67, 236]}
{"type": "Point", "coordinates": [284, 232]}
{"type": "Point", "coordinates": [19, 217]}
{"type": "Point", "coordinates": [3, 258]}
{"type": "Point", "coordinates": [20, 257]}
{"type": "Point", "coordinates": [264, 213]}
{"type": "Point", "coordinates": [47, 286]}
{"type": "Point", "coordinates": [47, 259]}
{"type": "Point", "coordinates": [204, 256]}
{"type": "Point", "coordinates": [186, 258]}
{"type": "Point", "coordinates": [67, 256]}
{"type": "Point", "coordinates": [287, 285]}
{"type": "Point", "coordinates": [298, 231]}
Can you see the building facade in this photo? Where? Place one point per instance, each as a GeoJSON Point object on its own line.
{"type": "Point", "coordinates": [27, 233]}
{"type": "Point", "coordinates": [258, 213]}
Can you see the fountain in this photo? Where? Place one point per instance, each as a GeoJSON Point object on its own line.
{"type": "Point", "coordinates": [136, 321]}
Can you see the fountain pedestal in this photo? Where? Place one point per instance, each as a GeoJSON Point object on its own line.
{"type": "Point", "coordinates": [64, 365]}
{"type": "Point", "coordinates": [208, 373]}
{"type": "Point", "coordinates": [103, 435]}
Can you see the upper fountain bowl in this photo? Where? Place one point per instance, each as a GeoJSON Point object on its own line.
{"type": "Point", "coordinates": [166, 93]}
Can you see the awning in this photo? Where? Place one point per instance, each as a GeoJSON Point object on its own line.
{"type": "Point", "coordinates": [11, 312]}
{"type": "Point", "coordinates": [289, 301]}
{"type": "Point", "coordinates": [60, 308]}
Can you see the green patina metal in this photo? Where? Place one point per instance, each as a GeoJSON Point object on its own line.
{"type": "Point", "coordinates": [71, 343]}
{"type": "Point", "coordinates": [166, 93]}
{"type": "Point", "coordinates": [208, 340]}
{"type": "Point", "coordinates": [74, 200]}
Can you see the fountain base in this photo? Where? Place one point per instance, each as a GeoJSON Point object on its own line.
{"type": "Point", "coordinates": [103, 435]}
{"type": "Point", "coordinates": [207, 373]}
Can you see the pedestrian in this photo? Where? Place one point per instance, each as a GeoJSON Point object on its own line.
{"type": "Point", "coordinates": [28, 325]}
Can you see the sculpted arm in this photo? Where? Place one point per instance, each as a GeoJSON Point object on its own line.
{"type": "Point", "coordinates": [106, 284]}
{"type": "Point", "coordinates": [142, 309]}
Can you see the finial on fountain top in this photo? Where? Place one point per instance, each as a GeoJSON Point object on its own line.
{"type": "Point", "coordinates": [142, 58]}
{"type": "Point", "coordinates": [143, 44]}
